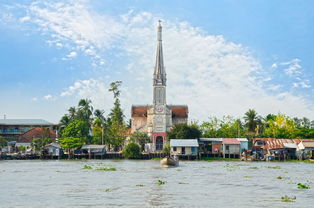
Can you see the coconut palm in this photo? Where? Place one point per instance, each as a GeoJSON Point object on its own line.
{"type": "Point", "coordinates": [251, 120]}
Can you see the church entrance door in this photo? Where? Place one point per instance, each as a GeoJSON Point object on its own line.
{"type": "Point", "coordinates": [159, 143]}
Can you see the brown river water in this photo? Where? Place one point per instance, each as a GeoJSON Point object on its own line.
{"type": "Point", "coordinates": [133, 184]}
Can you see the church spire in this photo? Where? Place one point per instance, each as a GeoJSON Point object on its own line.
{"type": "Point", "coordinates": [159, 71]}
{"type": "Point", "coordinates": [159, 77]}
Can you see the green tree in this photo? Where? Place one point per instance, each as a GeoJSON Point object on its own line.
{"type": "Point", "coordinates": [76, 128]}
{"type": "Point", "coordinates": [116, 128]}
{"type": "Point", "coordinates": [71, 143]}
{"type": "Point", "coordinates": [184, 131]}
{"type": "Point", "coordinates": [64, 122]}
{"type": "Point", "coordinates": [39, 143]}
{"type": "Point", "coordinates": [225, 127]}
{"type": "Point", "coordinates": [3, 142]}
{"type": "Point", "coordinates": [132, 151]}
{"type": "Point", "coordinates": [281, 127]}
{"type": "Point", "coordinates": [167, 149]}
{"type": "Point", "coordinates": [141, 138]}
{"type": "Point", "coordinates": [97, 135]}
{"type": "Point", "coordinates": [251, 120]}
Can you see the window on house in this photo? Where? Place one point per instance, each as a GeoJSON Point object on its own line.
{"type": "Point", "coordinates": [174, 149]}
{"type": "Point", "coordinates": [227, 147]}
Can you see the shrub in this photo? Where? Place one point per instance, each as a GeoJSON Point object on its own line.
{"type": "Point", "coordinates": [132, 151]}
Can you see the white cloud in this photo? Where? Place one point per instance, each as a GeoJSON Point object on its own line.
{"type": "Point", "coordinates": [49, 97]}
{"type": "Point", "coordinates": [34, 99]}
{"type": "Point", "coordinates": [294, 68]}
{"type": "Point", "coordinates": [72, 54]}
{"type": "Point", "coordinates": [211, 75]}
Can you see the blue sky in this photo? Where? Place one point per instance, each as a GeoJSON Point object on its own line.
{"type": "Point", "coordinates": [222, 57]}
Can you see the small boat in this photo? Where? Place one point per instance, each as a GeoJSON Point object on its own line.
{"type": "Point", "coordinates": [169, 161]}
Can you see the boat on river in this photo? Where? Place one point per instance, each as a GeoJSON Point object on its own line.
{"type": "Point", "coordinates": [169, 161]}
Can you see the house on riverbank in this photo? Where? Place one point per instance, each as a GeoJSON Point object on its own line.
{"type": "Point", "coordinates": [12, 129]}
{"type": "Point", "coordinates": [184, 146]}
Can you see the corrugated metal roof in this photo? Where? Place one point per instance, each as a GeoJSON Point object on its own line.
{"type": "Point", "coordinates": [242, 139]}
{"type": "Point", "coordinates": [183, 143]}
{"type": "Point", "coordinates": [308, 143]}
{"type": "Point", "coordinates": [92, 146]}
{"type": "Point", "coordinates": [273, 143]}
{"type": "Point", "coordinates": [24, 122]}
{"type": "Point", "coordinates": [230, 141]}
{"type": "Point", "coordinates": [290, 145]}
{"type": "Point", "coordinates": [211, 139]}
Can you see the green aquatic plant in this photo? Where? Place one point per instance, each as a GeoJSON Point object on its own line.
{"type": "Point", "coordinates": [107, 190]}
{"type": "Point", "coordinates": [183, 183]}
{"type": "Point", "coordinates": [303, 186]}
{"type": "Point", "coordinates": [254, 168]}
{"type": "Point", "coordinates": [160, 182]}
{"type": "Point", "coordinates": [279, 177]}
{"type": "Point", "coordinates": [273, 167]}
{"type": "Point", "coordinates": [179, 170]}
{"type": "Point", "coordinates": [288, 199]}
{"type": "Point", "coordinates": [292, 182]}
{"type": "Point", "coordinates": [140, 185]}
{"type": "Point", "coordinates": [106, 169]}
{"type": "Point", "coordinates": [247, 176]}
{"type": "Point", "coordinates": [87, 167]}
{"type": "Point", "coordinates": [155, 158]}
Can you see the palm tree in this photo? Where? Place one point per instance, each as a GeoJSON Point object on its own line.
{"type": "Point", "coordinates": [251, 120]}
{"type": "Point", "coordinates": [86, 110]}
{"type": "Point", "coordinates": [72, 113]}
{"type": "Point", "coordinates": [99, 114]}
{"type": "Point", "coordinates": [65, 120]}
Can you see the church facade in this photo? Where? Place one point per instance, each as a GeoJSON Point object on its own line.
{"type": "Point", "coordinates": [158, 118]}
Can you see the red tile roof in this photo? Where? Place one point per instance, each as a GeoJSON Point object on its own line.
{"type": "Point", "coordinates": [37, 132]}
{"type": "Point", "coordinates": [178, 111]}
{"type": "Point", "coordinates": [230, 141]}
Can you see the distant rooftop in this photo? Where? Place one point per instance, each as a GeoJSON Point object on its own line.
{"type": "Point", "coordinates": [24, 122]}
{"type": "Point", "coordinates": [183, 143]}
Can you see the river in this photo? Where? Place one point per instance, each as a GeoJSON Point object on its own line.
{"type": "Point", "coordinates": [36, 183]}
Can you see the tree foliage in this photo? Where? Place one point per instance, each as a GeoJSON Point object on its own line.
{"type": "Point", "coordinates": [116, 127]}
{"type": "Point", "coordinates": [71, 143]}
{"type": "Point", "coordinates": [184, 131]}
{"type": "Point", "coordinates": [141, 138]}
{"type": "Point", "coordinates": [76, 128]}
{"type": "Point", "coordinates": [39, 143]}
{"type": "Point", "coordinates": [132, 151]}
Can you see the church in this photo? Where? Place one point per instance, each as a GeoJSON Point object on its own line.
{"type": "Point", "coordinates": [158, 118]}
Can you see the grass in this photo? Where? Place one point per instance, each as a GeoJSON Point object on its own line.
{"type": "Point", "coordinates": [87, 167]}
{"type": "Point", "coordinates": [183, 183]}
{"type": "Point", "coordinates": [106, 169]}
{"type": "Point", "coordinates": [279, 177]}
{"type": "Point", "coordinates": [273, 167]}
{"type": "Point", "coordinates": [288, 199]}
{"type": "Point", "coordinates": [160, 182]}
{"type": "Point", "coordinates": [303, 186]}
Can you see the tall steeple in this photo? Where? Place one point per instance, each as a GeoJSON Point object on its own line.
{"type": "Point", "coordinates": [159, 77]}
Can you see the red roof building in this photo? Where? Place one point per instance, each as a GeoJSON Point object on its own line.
{"type": "Point", "coordinates": [37, 132]}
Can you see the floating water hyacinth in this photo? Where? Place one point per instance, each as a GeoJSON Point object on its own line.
{"type": "Point", "coordinates": [106, 169]}
{"type": "Point", "coordinates": [302, 186]}
{"type": "Point", "coordinates": [160, 182]}
{"type": "Point", "coordinates": [288, 199]}
{"type": "Point", "coordinates": [87, 167]}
